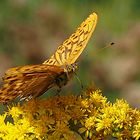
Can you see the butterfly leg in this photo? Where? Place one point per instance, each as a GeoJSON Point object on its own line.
{"type": "Point", "coordinates": [58, 91]}
{"type": "Point", "coordinates": [81, 84]}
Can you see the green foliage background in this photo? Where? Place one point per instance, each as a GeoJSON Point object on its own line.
{"type": "Point", "coordinates": [30, 31]}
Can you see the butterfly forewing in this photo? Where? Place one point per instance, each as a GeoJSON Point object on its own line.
{"type": "Point", "coordinates": [30, 80]}
{"type": "Point", "coordinates": [69, 51]}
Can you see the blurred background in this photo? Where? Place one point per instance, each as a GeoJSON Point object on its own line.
{"type": "Point", "coordinates": [31, 30]}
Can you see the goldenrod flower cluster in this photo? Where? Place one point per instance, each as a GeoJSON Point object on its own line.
{"type": "Point", "coordinates": [89, 116]}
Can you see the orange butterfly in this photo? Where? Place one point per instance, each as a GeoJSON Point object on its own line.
{"type": "Point", "coordinates": [33, 80]}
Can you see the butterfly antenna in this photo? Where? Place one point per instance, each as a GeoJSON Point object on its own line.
{"type": "Point", "coordinates": [82, 87]}
{"type": "Point", "coordinates": [107, 46]}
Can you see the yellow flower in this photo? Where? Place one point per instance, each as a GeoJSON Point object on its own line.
{"type": "Point", "coordinates": [71, 117]}
{"type": "Point", "coordinates": [16, 112]}
{"type": "Point", "coordinates": [97, 99]}
{"type": "Point", "coordinates": [90, 122]}
{"type": "Point", "coordinates": [85, 103]}
{"type": "Point", "coordinates": [62, 131]}
{"type": "Point", "coordinates": [121, 114]}
{"type": "Point", "coordinates": [105, 125]}
{"type": "Point", "coordinates": [136, 132]}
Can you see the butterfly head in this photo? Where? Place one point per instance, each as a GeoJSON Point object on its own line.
{"type": "Point", "coordinates": [70, 68]}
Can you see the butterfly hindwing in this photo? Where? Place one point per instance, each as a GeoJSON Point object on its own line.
{"type": "Point", "coordinates": [31, 80]}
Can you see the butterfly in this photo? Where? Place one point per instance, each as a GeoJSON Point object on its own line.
{"type": "Point", "coordinates": [31, 81]}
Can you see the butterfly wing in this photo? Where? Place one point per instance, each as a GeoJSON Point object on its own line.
{"type": "Point", "coordinates": [28, 81]}
{"type": "Point", "coordinates": [69, 51]}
